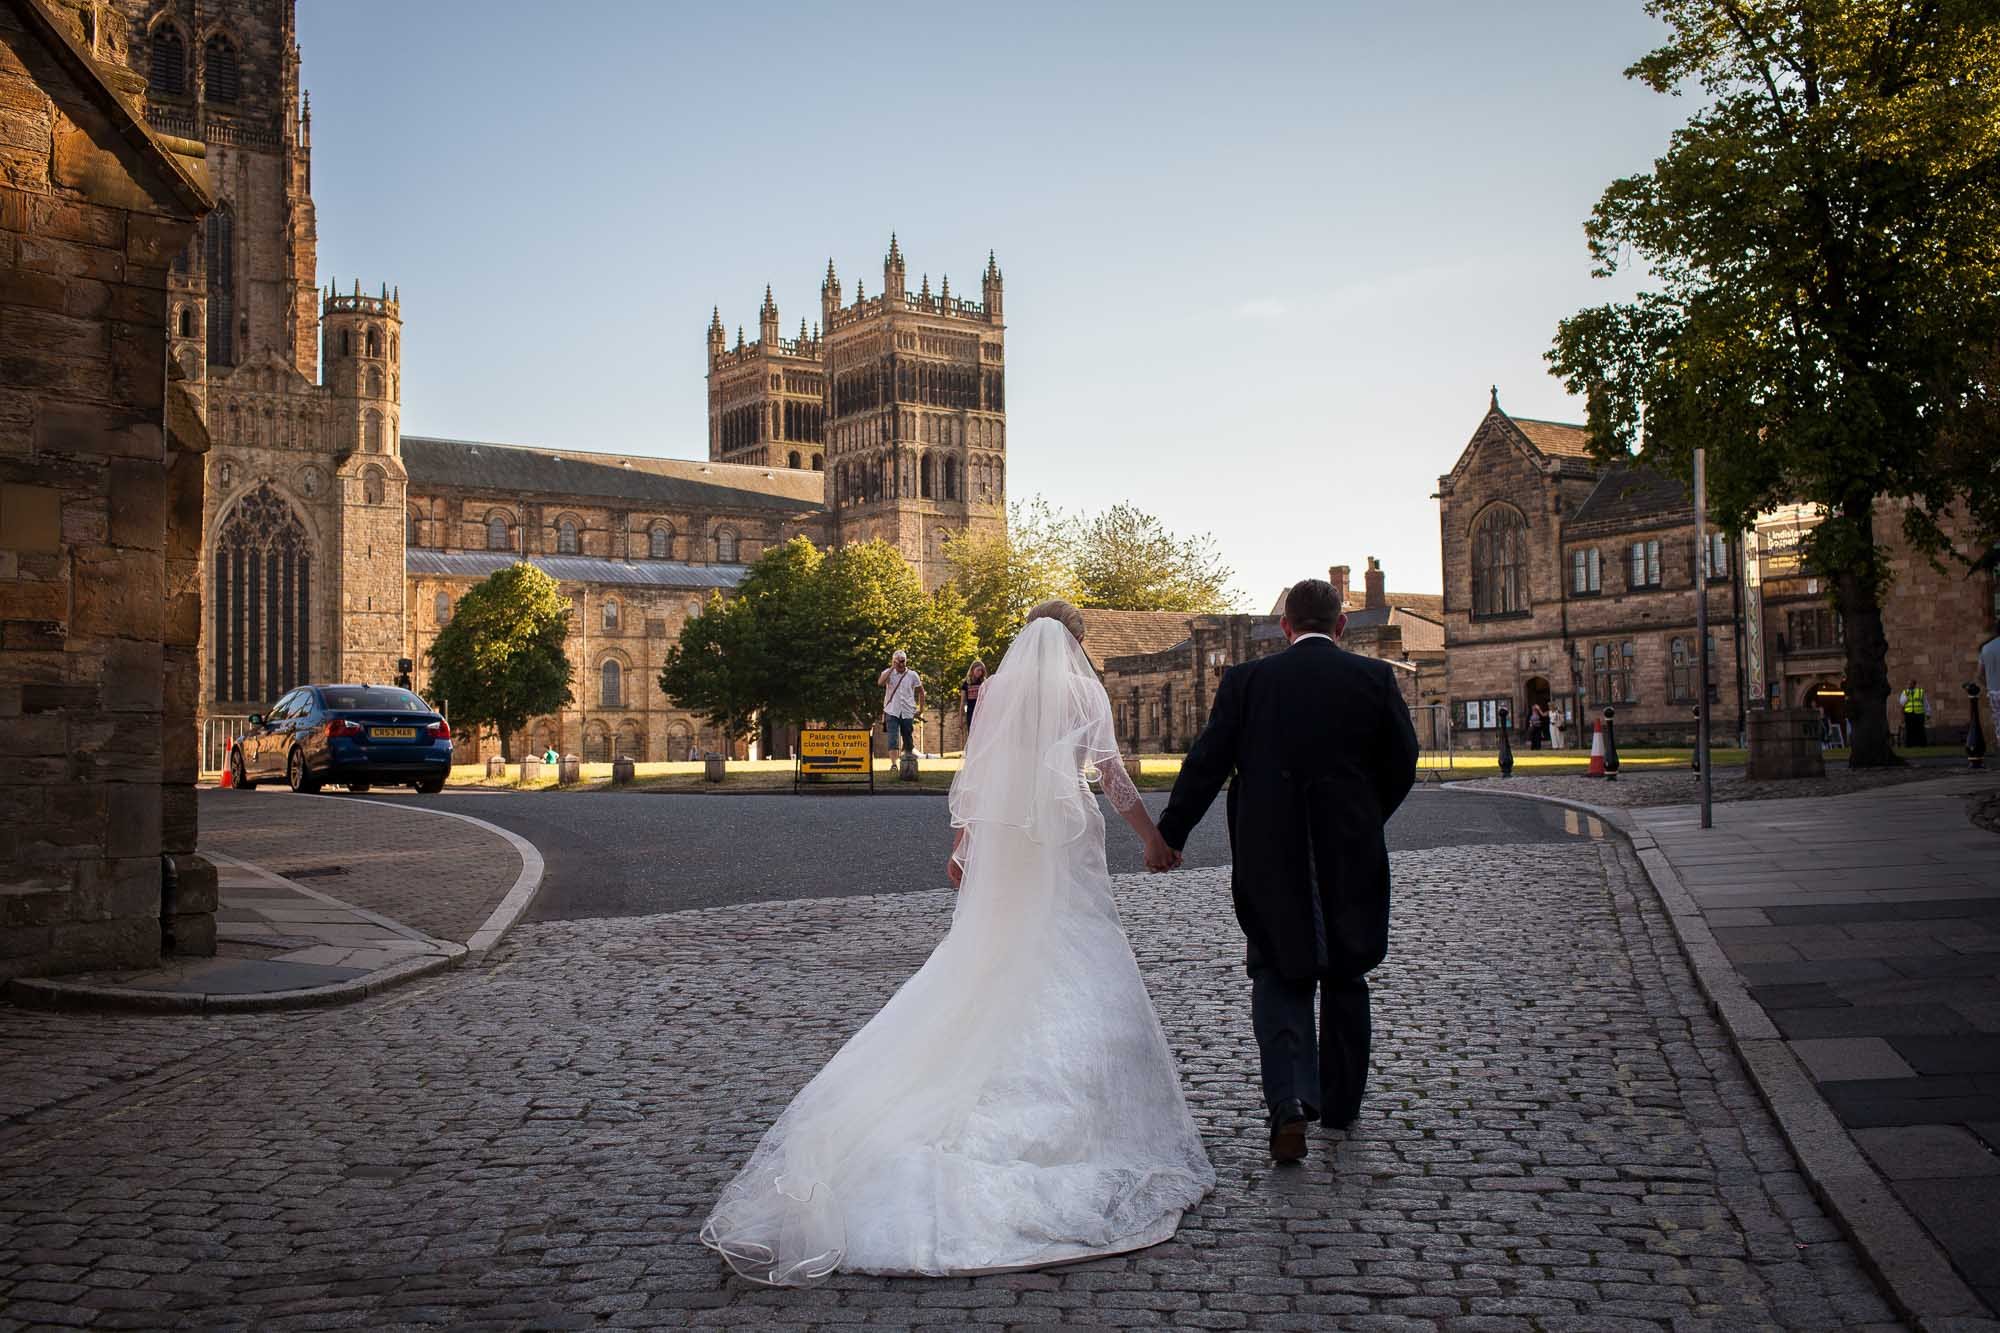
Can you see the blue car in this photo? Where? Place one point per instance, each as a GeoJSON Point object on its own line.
{"type": "Point", "coordinates": [350, 735]}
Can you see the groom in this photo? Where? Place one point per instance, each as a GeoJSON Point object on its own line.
{"type": "Point", "coordinates": [1320, 743]}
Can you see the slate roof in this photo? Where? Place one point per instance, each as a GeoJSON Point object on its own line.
{"type": "Point", "coordinates": [577, 568]}
{"type": "Point", "coordinates": [1627, 497]}
{"type": "Point", "coordinates": [666, 483]}
{"type": "Point", "coordinates": [1560, 438]}
{"type": "Point", "coordinates": [1109, 634]}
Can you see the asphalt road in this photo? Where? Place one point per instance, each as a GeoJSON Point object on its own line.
{"type": "Point", "coordinates": [612, 854]}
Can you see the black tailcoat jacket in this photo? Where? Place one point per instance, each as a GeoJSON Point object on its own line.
{"type": "Point", "coordinates": [1320, 742]}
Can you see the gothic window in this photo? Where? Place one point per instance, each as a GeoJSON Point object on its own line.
{"type": "Point", "coordinates": [1500, 562]}
{"type": "Point", "coordinates": [394, 350]}
{"type": "Point", "coordinates": [924, 470]}
{"type": "Point", "coordinates": [187, 322]}
{"type": "Point", "coordinates": [608, 696]}
{"type": "Point", "coordinates": [374, 349]}
{"type": "Point", "coordinates": [566, 537]}
{"type": "Point", "coordinates": [725, 546]}
{"type": "Point", "coordinates": [951, 478]}
{"type": "Point", "coordinates": [819, 462]}
{"type": "Point", "coordinates": [168, 77]}
{"type": "Point", "coordinates": [792, 459]}
{"type": "Point", "coordinates": [694, 608]}
{"type": "Point", "coordinates": [219, 253]}
{"type": "Point", "coordinates": [371, 435]}
{"type": "Point", "coordinates": [414, 536]}
{"type": "Point", "coordinates": [631, 742]}
{"type": "Point", "coordinates": [497, 536]}
{"type": "Point", "coordinates": [441, 608]}
{"type": "Point", "coordinates": [222, 75]}
{"type": "Point", "coordinates": [346, 343]}
{"type": "Point", "coordinates": [597, 741]}
{"type": "Point", "coordinates": [660, 542]}
{"type": "Point", "coordinates": [374, 383]}
{"type": "Point", "coordinates": [262, 600]}
{"type": "Point", "coordinates": [611, 615]}
{"type": "Point", "coordinates": [372, 486]}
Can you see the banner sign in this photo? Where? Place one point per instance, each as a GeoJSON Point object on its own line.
{"type": "Point", "coordinates": [834, 753]}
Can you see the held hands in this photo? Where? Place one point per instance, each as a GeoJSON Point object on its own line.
{"type": "Point", "coordinates": [1159, 856]}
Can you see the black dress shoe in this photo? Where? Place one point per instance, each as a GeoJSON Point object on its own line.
{"type": "Point", "coordinates": [1288, 1131]}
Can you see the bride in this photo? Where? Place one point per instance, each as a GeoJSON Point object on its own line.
{"type": "Point", "coordinates": [1015, 1103]}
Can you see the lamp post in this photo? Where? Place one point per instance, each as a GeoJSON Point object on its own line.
{"type": "Point", "coordinates": [1610, 747]}
{"type": "Point", "coordinates": [1701, 629]}
{"type": "Point", "coordinates": [1506, 745]}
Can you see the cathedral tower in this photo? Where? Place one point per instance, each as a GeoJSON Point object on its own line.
{"type": "Point", "coordinates": [916, 413]}
{"type": "Point", "coordinates": [363, 358]}
{"type": "Point", "coordinates": [764, 398]}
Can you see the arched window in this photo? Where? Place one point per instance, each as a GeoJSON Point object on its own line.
{"type": "Point", "coordinates": [819, 462]}
{"type": "Point", "coordinates": [925, 468]}
{"type": "Point", "coordinates": [792, 459]}
{"type": "Point", "coordinates": [414, 533]}
{"type": "Point", "coordinates": [566, 537]}
{"type": "Point", "coordinates": [694, 608]}
{"type": "Point", "coordinates": [608, 694]}
{"type": "Point", "coordinates": [168, 74]}
{"type": "Point", "coordinates": [222, 76]}
{"type": "Point", "coordinates": [441, 608]}
{"type": "Point", "coordinates": [611, 615]}
{"type": "Point", "coordinates": [374, 383]}
{"type": "Point", "coordinates": [187, 322]}
{"type": "Point", "coordinates": [1499, 562]}
{"type": "Point", "coordinates": [725, 546]}
{"type": "Point", "coordinates": [218, 232]}
{"type": "Point", "coordinates": [394, 351]}
{"type": "Point", "coordinates": [372, 486]}
{"type": "Point", "coordinates": [371, 434]}
{"type": "Point", "coordinates": [375, 347]}
{"type": "Point", "coordinates": [951, 478]}
{"type": "Point", "coordinates": [262, 603]}
{"type": "Point", "coordinates": [597, 741]}
{"type": "Point", "coordinates": [631, 742]}
{"type": "Point", "coordinates": [497, 536]}
{"type": "Point", "coordinates": [660, 542]}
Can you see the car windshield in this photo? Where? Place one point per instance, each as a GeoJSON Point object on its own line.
{"type": "Point", "coordinates": [372, 696]}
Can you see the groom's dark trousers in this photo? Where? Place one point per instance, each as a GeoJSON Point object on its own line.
{"type": "Point", "coordinates": [1318, 751]}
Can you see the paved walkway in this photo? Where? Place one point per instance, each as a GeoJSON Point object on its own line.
{"type": "Point", "coordinates": [1865, 933]}
{"type": "Point", "coordinates": [1559, 1136]}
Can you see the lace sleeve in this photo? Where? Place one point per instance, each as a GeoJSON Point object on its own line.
{"type": "Point", "coordinates": [1117, 785]}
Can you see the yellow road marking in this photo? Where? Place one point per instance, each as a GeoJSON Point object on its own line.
{"type": "Point", "coordinates": [1596, 829]}
{"type": "Point", "coordinates": [1569, 823]}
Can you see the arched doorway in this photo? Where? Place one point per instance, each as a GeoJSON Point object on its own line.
{"type": "Point", "coordinates": [262, 609]}
{"type": "Point", "coordinates": [1830, 698]}
{"type": "Point", "coordinates": [1534, 694]}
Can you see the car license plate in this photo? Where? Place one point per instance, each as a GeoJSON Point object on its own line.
{"type": "Point", "coordinates": [393, 733]}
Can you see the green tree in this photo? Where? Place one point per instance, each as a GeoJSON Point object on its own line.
{"type": "Point", "coordinates": [502, 659]}
{"type": "Point", "coordinates": [1126, 559]}
{"type": "Point", "coordinates": [737, 659]}
{"type": "Point", "coordinates": [1824, 241]}
{"type": "Point", "coordinates": [1000, 576]}
{"type": "Point", "coordinates": [866, 602]}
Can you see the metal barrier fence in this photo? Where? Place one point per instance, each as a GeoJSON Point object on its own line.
{"type": "Point", "coordinates": [1434, 738]}
{"type": "Point", "coordinates": [216, 734]}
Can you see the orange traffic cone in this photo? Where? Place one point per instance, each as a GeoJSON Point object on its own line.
{"type": "Point", "coordinates": [229, 768]}
{"type": "Point", "coordinates": [1597, 749]}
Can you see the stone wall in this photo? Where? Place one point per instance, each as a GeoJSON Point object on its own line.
{"type": "Point", "coordinates": [100, 501]}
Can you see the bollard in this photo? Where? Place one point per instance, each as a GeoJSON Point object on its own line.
{"type": "Point", "coordinates": [569, 769]}
{"type": "Point", "coordinates": [621, 770]}
{"type": "Point", "coordinates": [531, 769]}
{"type": "Point", "coordinates": [1975, 735]}
{"type": "Point", "coordinates": [906, 768]}
{"type": "Point", "coordinates": [1610, 749]}
{"type": "Point", "coordinates": [496, 766]}
{"type": "Point", "coordinates": [713, 766]}
{"type": "Point", "coordinates": [1506, 745]}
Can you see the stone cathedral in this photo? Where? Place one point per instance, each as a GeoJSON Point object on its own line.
{"type": "Point", "coordinates": [335, 545]}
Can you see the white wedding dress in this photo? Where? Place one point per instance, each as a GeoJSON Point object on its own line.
{"type": "Point", "coordinates": [1015, 1104]}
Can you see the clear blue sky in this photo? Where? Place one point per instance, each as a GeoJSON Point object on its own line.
{"type": "Point", "coordinates": [1262, 261]}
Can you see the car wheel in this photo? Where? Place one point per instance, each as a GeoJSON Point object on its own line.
{"type": "Point", "coordinates": [299, 776]}
{"type": "Point", "coordinates": [237, 776]}
{"type": "Point", "coordinates": [430, 786]}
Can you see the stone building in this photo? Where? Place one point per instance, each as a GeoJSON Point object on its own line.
{"type": "Point", "coordinates": [100, 510]}
{"type": "Point", "coordinates": [1162, 668]}
{"type": "Point", "coordinates": [332, 546]}
{"type": "Point", "coordinates": [1574, 584]}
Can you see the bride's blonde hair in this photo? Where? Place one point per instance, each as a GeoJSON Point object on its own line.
{"type": "Point", "coordinates": [1057, 609]}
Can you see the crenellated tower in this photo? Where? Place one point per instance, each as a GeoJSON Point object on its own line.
{"type": "Point", "coordinates": [916, 413]}
{"type": "Point", "coordinates": [362, 355]}
{"type": "Point", "coordinates": [764, 398]}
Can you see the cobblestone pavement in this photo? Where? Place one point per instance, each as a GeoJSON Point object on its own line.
{"type": "Point", "coordinates": [1683, 787]}
{"type": "Point", "coordinates": [441, 876]}
{"type": "Point", "coordinates": [1559, 1137]}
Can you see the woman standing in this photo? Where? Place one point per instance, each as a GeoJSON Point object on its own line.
{"type": "Point", "coordinates": [975, 677]}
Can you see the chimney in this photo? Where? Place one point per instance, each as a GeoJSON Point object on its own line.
{"type": "Point", "coordinates": [1377, 598]}
{"type": "Point", "coordinates": [1337, 576]}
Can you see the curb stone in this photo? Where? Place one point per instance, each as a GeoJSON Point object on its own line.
{"type": "Point", "coordinates": [517, 899]}
{"type": "Point", "coordinates": [1894, 1247]}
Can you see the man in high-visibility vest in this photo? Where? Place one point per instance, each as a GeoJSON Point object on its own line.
{"type": "Point", "coordinates": [1913, 715]}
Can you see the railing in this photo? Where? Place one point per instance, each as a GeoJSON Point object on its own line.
{"type": "Point", "coordinates": [217, 734]}
{"type": "Point", "coordinates": [1435, 748]}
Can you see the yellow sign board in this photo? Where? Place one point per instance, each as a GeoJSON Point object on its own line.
{"type": "Point", "coordinates": [830, 752]}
